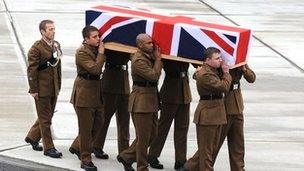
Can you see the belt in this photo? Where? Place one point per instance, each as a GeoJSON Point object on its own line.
{"type": "Point", "coordinates": [145, 83]}
{"type": "Point", "coordinates": [178, 75]}
{"type": "Point", "coordinates": [116, 67]}
{"type": "Point", "coordinates": [211, 97]}
{"type": "Point", "coordinates": [90, 76]}
{"type": "Point", "coordinates": [234, 86]}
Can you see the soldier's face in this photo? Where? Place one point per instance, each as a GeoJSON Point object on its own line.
{"type": "Point", "coordinates": [49, 32]}
{"type": "Point", "coordinates": [215, 61]}
{"type": "Point", "coordinates": [147, 45]}
{"type": "Point", "coordinates": [93, 39]}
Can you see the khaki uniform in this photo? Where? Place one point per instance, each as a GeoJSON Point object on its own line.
{"type": "Point", "coordinates": [115, 93]}
{"type": "Point", "coordinates": [144, 105]}
{"type": "Point", "coordinates": [209, 116]}
{"type": "Point", "coordinates": [46, 81]}
{"type": "Point", "coordinates": [175, 96]}
{"type": "Point", "coordinates": [234, 130]}
{"type": "Point", "coordinates": [86, 99]}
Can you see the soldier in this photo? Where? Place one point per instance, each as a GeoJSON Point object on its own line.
{"type": "Point", "coordinates": [143, 102]}
{"type": "Point", "coordinates": [234, 130]}
{"type": "Point", "coordinates": [210, 113]}
{"type": "Point", "coordinates": [175, 96]}
{"type": "Point", "coordinates": [86, 95]}
{"type": "Point", "coordinates": [44, 76]}
{"type": "Point", "coordinates": [115, 92]}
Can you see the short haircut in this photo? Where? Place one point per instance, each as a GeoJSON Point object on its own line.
{"type": "Point", "coordinates": [86, 31]}
{"type": "Point", "coordinates": [140, 37]}
{"type": "Point", "coordinates": [210, 51]}
{"type": "Point", "coordinates": [42, 25]}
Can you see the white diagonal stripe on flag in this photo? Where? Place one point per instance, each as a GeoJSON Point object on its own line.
{"type": "Point", "coordinates": [175, 39]}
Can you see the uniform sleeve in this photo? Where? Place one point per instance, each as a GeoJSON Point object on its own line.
{"type": "Point", "coordinates": [142, 68]}
{"type": "Point", "coordinates": [32, 69]}
{"type": "Point", "coordinates": [84, 60]}
{"type": "Point", "coordinates": [249, 75]}
{"type": "Point", "coordinates": [212, 82]}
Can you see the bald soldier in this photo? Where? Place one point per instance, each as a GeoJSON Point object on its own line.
{"type": "Point", "coordinates": [146, 68]}
{"type": "Point", "coordinates": [44, 76]}
{"type": "Point", "coordinates": [234, 130]}
{"type": "Point", "coordinates": [212, 81]}
{"type": "Point", "coordinates": [86, 96]}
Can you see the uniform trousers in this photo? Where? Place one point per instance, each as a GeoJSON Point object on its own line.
{"type": "Point", "coordinates": [146, 130]}
{"type": "Point", "coordinates": [45, 107]}
{"type": "Point", "coordinates": [208, 138]}
{"type": "Point", "coordinates": [180, 114]}
{"type": "Point", "coordinates": [116, 103]}
{"type": "Point", "coordinates": [234, 131]}
{"type": "Point", "coordinates": [89, 125]}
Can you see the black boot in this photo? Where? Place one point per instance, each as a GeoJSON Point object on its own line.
{"type": "Point", "coordinates": [76, 152]}
{"type": "Point", "coordinates": [178, 165]}
{"type": "Point", "coordinates": [127, 166]}
{"type": "Point", "coordinates": [52, 152]}
{"type": "Point", "coordinates": [182, 169]}
{"type": "Point", "coordinates": [35, 145]}
{"type": "Point", "coordinates": [99, 153]}
{"type": "Point", "coordinates": [88, 166]}
{"type": "Point", "coordinates": [154, 163]}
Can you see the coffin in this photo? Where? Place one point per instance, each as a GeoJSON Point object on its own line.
{"type": "Point", "coordinates": [179, 37]}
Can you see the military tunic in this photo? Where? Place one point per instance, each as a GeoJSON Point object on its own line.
{"type": "Point", "coordinates": [209, 116]}
{"type": "Point", "coordinates": [46, 81]}
{"type": "Point", "coordinates": [87, 100]}
{"type": "Point", "coordinates": [175, 98]}
{"type": "Point", "coordinates": [234, 130]}
{"type": "Point", "coordinates": [115, 92]}
{"type": "Point", "coordinates": [144, 105]}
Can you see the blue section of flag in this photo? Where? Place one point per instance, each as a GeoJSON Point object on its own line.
{"type": "Point", "coordinates": [91, 16]}
{"type": "Point", "coordinates": [189, 47]}
{"type": "Point", "coordinates": [231, 38]}
{"type": "Point", "coordinates": [126, 34]}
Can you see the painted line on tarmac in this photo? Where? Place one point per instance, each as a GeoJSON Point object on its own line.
{"type": "Point", "coordinates": [10, 17]}
{"type": "Point", "coordinates": [13, 148]}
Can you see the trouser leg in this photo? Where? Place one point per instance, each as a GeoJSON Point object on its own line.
{"type": "Point", "coordinates": [123, 123]}
{"type": "Point", "coordinates": [167, 114]}
{"type": "Point", "coordinates": [181, 125]}
{"type": "Point", "coordinates": [236, 145]}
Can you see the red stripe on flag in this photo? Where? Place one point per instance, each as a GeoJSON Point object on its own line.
{"type": "Point", "coordinates": [218, 40]}
{"type": "Point", "coordinates": [162, 35]}
{"type": "Point", "coordinates": [111, 22]}
{"type": "Point", "coordinates": [243, 47]}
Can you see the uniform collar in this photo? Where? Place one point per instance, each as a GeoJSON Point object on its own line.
{"type": "Point", "coordinates": [90, 47]}
{"type": "Point", "coordinates": [150, 57]}
{"type": "Point", "coordinates": [210, 67]}
{"type": "Point", "coordinates": [49, 43]}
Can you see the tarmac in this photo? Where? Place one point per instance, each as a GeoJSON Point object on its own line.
{"type": "Point", "coordinates": [274, 120]}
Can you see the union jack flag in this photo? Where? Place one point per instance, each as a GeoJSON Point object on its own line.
{"type": "Point", "coordinates": [176, 35]}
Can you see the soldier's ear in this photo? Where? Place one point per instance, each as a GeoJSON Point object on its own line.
{"type": "Point", "coordinates": [42, 31]}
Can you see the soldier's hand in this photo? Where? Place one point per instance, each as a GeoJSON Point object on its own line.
{"type": "Point", "coordinates": [101, 48]}
{"type": "Point", "coordinates": [198, 71]}
{"type": "Point", "coordinates": [157, 52]}
{"type": "Point", "coordinates": [35, 95]}
{"type": "Point", "coordinates": [244, 67]}
{"type": "Point", "coordinates": [225, 67]}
